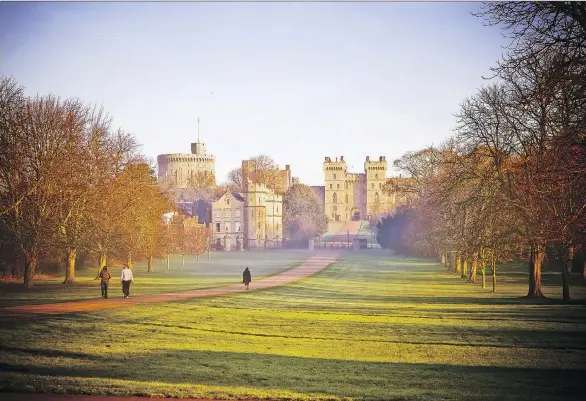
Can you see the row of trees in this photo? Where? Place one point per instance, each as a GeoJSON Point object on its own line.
{"type": "Point", "coordinates": [70, 183]}
{"type": "Point", "coordinates": [180, 235]}
{"type": "Point", "coordinates": [512, 180]}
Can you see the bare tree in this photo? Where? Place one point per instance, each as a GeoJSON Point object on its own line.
{"type": "Point", "coordinates": [265, 172]}
{"type": "Point", "coordinates": [43, 138]}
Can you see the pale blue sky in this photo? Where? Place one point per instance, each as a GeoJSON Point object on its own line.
{"type": "Point", "coordinates": [296, 81]}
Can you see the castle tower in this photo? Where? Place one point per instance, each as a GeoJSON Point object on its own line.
{"type": "Point", "coordinates": [248, 172]}
{"type": "Point", "coordinates": [286, 180]}
{"type": "Point", "coordinates": [376, 173]}
{"type": "Point", "coordinates": [181, 170]}
{"type": "Point", "coordinates": [254, 214]}
{"type": "Point", "coordinates": [336, 188]}
{"type": "Point", "coordinates": [198, 148]}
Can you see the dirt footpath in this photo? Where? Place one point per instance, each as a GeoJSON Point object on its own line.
{"type": "Point", "coordinates": [315, 263]}
{"type": "Point", "coordinates": [62, 397]}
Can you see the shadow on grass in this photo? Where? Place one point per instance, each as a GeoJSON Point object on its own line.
{"type": "Point", "coordinates": [350, 295]}
{"type": "Point", "coordinates": [340, 378]}
{"type": "Point", "coordinates": [49, 353]}
{"type": "Point", "coordinates": [527, 339]}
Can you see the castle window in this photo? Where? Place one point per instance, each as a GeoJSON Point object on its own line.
{"type": "Point", "coordinates": [259, 225]}
{"type": "Point", "coordinates": [334, 176]}
{"type": "Point", "coordinates": [376, 197]}
{"type": "Point", "coordinates": [346, 198]}
{"type": "Point", "coordinates": [372, 185]}
{"type": "Point", "coordinates": [227, 201]}
{"type": "Point", "coordinates": [238, 228]}
{"type": "Point", "coordinates": [330, 186]}
{"type": "Point", "coordinates": [217, 227]}
{"type": "Point", "coordinates": [338, 186]}
{"type": "Point", "coordinates": [335, 198]}
{"type": "Point", "coordinates": [380, 185]}
{"type": "Point", "coordinates": [226, 228]}
{"type": "Point", "coordinates": [376, 176]}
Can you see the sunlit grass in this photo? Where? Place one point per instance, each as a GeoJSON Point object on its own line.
{"type": "Point", "coordinates": [368, 327]}
{"type": "Point", "coordinates": [222, 268]}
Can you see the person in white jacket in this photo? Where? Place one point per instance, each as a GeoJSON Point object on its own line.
{"type": "Point", "coordinates": [126, 278]}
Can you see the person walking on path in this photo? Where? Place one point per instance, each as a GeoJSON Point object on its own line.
{"type": "Point", "coordinates": [246, 277]}
{"type": "Point", "coordinates": [105, 276]}
{"type": "Point", "coordinates": [126, 278]}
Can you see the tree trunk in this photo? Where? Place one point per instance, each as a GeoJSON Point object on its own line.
{"type": "Point", "coordinates": [129, 260]}
{"type": "Point", "coordinates": [450, 261]}
{"type": "Point", "coordinates": [30, 265]}
{"type": "Point", "coordinates": [464, 268]}
{"type": "Point", "coordinates": [168, 257]}
{"type": "Point", "coordinates": [183, 260]}
{"type": "Point", "coordinates": [565, 284]}
{"type": "Point", "coordinates": [443, 258]}
{"type": "Point", "coordinates": [570, 261]}
{"type": "Point", "coordinates": [150, 264]}
{"type": "Point", "coordinates": [101, 263]}
{"type": "Point", "coordinates": [70, 266]}
{"type": "Point", "coordinates": [483, 270]}
{"type": "Point", "coordinates": [493, 267]}
{"type": "Point", "coordinates": [584, 270]}
{"type": "Point", "coordinates": [565, 274]}
{"type": "Point", "coordinates": [458, 264]}
{"type": "Point", "coordinates": [197, 257]}
{"type": "Point", "coordinates": [535, 261]}
{"type": "Point", "coordinates": [472, 276]}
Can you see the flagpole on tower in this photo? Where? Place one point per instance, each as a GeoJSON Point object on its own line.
{"type": "Point", "coordinates": [197, 129]}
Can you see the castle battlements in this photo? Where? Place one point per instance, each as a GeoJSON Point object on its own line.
{"type": "Point", "coordinates": [354, 196]}
{"type": "Point", "coordinates": [180, 169]}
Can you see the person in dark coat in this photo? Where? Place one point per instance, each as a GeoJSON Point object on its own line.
{"type": "Point", "coordinates": [105, 276]}
{"type": "Point", "coordinates": [246, 277]}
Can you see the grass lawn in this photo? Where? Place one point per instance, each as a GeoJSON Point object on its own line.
{"type": "Point", "coordinates": [223, 268]}
{"type": "Point", "coordinates": [368, 327]}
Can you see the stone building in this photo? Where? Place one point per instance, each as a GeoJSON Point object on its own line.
{"type": "Point", "coordinates": [354, 196]}
{"type": "Point", "coordinates": [178, 169]}
{"type": "Point", "coordinates": [263, 208]}
{"type": "Point", "coordinates": [251, 219]}
{"type": "Point", "coordinates": [228, 221]}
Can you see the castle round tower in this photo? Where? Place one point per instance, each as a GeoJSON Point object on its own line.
{"type": "Point", "coordinates": [181, 169]}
